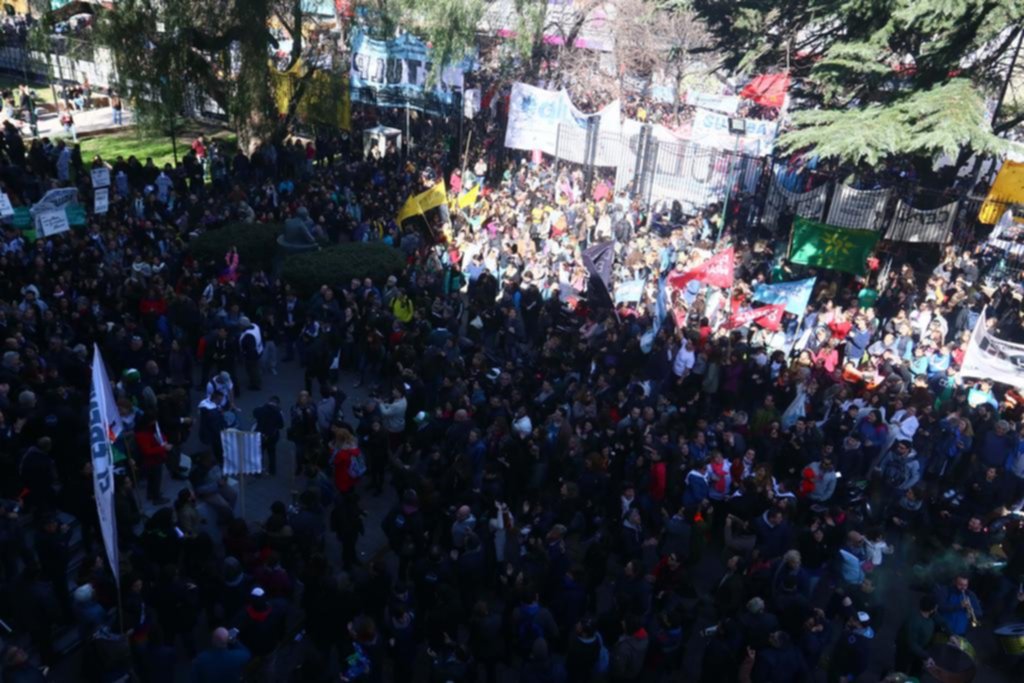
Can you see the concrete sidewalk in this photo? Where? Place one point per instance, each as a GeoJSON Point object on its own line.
{"type": "Point", "coordinates": [87, 122]}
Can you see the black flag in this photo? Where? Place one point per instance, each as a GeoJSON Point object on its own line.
{"type": "Point", "coordinates": [598, 261]}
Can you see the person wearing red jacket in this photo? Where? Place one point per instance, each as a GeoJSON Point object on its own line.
{"type": "Point", "coordinates": [659, 477]}
{"type": "Point", "coordinates": [153, 453]}
{"type": "Point", "coordinates": [344, 448]}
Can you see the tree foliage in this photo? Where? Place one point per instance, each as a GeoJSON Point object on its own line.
{"type": "Point", "coordinates": [877, 78]}
{"type": "Point", "coordinates": [171, 52]}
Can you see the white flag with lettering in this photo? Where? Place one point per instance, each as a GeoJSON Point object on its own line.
{"type": "Point", "coordinates": [104, 428]}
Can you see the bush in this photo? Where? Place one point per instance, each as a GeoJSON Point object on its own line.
{"type": "Point", "coordinates": [256, 242]}
{"type": "Point", "coordinates": [337, 265]}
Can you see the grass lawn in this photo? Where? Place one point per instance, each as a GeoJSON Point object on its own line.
{"type": "Point", "coordinates": [143, 145]}
{"type": "Point", "coordinates": [43, 94]}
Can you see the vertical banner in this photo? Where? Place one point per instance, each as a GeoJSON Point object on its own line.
{"type": "Point", "coordinates": [242, 453]}
{"type": "Point", "coordinates": [100, 177]}
{"type": "Point", "coordinates": [101, 200]}
{"type": "Point", "coordinates": [104, 428]}
{"type": "Point", "coordinates": [5, 205]}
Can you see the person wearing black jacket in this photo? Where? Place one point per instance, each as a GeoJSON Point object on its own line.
{"type": "Point", "coordinates": [269, 423]}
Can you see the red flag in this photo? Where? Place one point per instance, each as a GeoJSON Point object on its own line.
{"type": "Point", "coordinates": [716, 271]}
{"type": "Point", "coordinates": [768, 90]}
{"type": "Point", "coordinates": [768, 317]}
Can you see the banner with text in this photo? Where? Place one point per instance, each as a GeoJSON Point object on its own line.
{"type": "Point", "coordinates": [711, 128]}
{"type": "Point", "coordinates": [862, 209]}
{"type": "Point", "coordinates": [993, 359]}
{"type": "Point", "coordinates": [393, 74]}
{"type": "Point", "coordinates": [914, 225]}
{"type": "Point", "coordinates": [535, 115]}
{"type": "Point", "coordinates": [810, 204]}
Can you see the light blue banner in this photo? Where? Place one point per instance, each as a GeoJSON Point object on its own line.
{"type": "Point", "coordinates": [795, 294]}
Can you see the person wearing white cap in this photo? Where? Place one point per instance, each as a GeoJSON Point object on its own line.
{"type": "Point", "coordinates": [853, 651]}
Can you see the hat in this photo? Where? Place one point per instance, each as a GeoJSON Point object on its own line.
{"type": "Point", "coordinates": [257, 592]}
{"type": "Point", "coordinates": [223, 376]}
{"type": "Point", "coordinates": [244, 322]}
{"type": "Point", "coordinates": [863, 617]}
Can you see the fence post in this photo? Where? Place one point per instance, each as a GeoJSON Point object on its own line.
{"type": "Point", "coordinates": [590, 153]}
{"type": "Point", "coordinates": [642, 144]}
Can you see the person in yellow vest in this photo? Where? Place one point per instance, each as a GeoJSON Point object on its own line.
{"type": "Point", "coordinates": [402, 307]}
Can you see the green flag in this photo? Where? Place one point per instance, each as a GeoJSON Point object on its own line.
{"type": "Point", "coordinates": [825, 246]}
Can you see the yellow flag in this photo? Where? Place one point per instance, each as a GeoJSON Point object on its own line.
{"type": "Point", "coordinates": [408, 210]}
{"type": "Point", "coordinates": [432, 198]}
{"type": "Point", "coordinates": [1007, 189]}
{"type": "Point", "coordinates": [469, 199]}
{"type": "Point", "coordinates": [423, 202]}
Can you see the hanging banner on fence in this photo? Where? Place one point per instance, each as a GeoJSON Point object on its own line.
{"type": "Point", "coordinates": [861, 209]}
{"type": "Point", "coordinates": [50, 223]}
{"type": "Point", "coordinates": [100, 177]}
{"type": "Point", "coordinates": [1007, 189]}
{"type": "Point", "coordinates": [101, 201]}
{"type": "Point", "coordinates": [710, 128]}
{"type": "Point", "coordinates": [810, 204]}
{"type": "Point", "coordinates": [535, 115]}
{"type": "Point", "coordinates": [914, 225]}
{"type": "Point", "coordinates": [393, 73]}
{"type": "Point", "coordinates": [991, 358]}
{"type": "Point", "coordinates": [727, 104]}
{"type": "Point", "coordinates": [5, 205]}
{"type": "Point", "coordinates": [1007, 236]}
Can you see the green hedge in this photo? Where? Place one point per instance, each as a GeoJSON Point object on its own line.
{"type": "Point", "coordinates": [256, 242]}
{"type": "Point", "coordinates": [337, 265]}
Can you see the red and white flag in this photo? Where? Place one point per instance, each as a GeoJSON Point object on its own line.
{"type": "Point", "coordinates": [716, 271]}
{"type": "Point", "coordinates": [768, 317]}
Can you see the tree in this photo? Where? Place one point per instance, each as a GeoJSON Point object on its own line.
{"type": "Point", "coordinates": [169, 53]}
{"type": "Point", "coordinates": [902, 78]}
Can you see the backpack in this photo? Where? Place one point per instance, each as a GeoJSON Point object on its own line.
{"type": "Point", "coordinates": [895, 472]}
{"type": "Point", "coordinates": [357, 465]}
{"type": "Point", "coordinates": [603, 662]}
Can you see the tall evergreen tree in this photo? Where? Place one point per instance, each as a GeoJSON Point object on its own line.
{"type": "Point", "coordinates": [878, 78]}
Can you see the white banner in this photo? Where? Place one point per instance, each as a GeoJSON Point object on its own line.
{"type": "Point", "coordinates": [104, 428]}
{"type": "Point", "coordinates": [50, 223]}
{"type": "Point", "coordinates": [993, 359]}
{"type": "Point", "coordinates": [863, 209]}
{"type": "Point", "coordinates": [470, 102]}
{"type": "Point", "coordinates": [242, 453]}
{"type": "Point", "coordinates": [727, 104]}
{"type": "Point", "coordinates": [101, 201]}
{"type": "Point", "coordinates": [101, 177]}
{"type": "Point", "coordinates": [711, 129]}
{"type": "Point", "coordinates": [810, 204]}
{"type": "Point", "coordinates": [914, 225]}
{"type": "Point", "coordinates": [535, 114]}
{"type": "Point", "coordinates": [56, 199]}
{"type": "Point", "coordinates": [5, 205]}
{"type": "Point", "coordinates": [1007, 236]}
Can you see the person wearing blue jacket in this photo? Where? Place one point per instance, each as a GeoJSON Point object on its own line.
{"type": "Point", "coordinates": [953, 601]}
{"type": "Point", "coordinates": [224, 662]}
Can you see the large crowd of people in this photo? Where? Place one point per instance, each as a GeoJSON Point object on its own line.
{"type": "Point", "coordinates": [583, 492]}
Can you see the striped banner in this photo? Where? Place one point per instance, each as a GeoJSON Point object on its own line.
{"type": "Point", "coordinates": [914, 225]}
{"type": "Point", "coordinates": [241, 452]}
{"type": "Point", "coordinates": [861, 209]}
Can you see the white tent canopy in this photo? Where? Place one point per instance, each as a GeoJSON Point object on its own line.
{"type": "Point", "coordinates": [378, 137]}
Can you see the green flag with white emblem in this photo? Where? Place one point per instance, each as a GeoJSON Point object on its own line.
{"type": "Point", "coordinates": [825, 246]}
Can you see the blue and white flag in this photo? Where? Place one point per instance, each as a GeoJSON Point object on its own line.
{"type": "Point", "coordinates": [242, 454]}
{"type": "Point", "coordinates": [630, 291]}
{"type": "Point", "coordinates": [104, 428]}
{"type": "Point", "coordinates": [795, 295]}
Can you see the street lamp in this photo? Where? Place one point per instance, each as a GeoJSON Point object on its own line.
{"type": "Point", "coordinates": [737, 128]}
